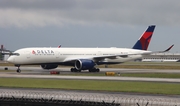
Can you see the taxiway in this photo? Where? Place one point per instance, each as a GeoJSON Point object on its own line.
{"type": "Point", "coordinates": [37, 72]}
{"type": "Point", "coordinates": [64, 69]}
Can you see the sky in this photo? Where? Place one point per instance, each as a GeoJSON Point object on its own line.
{"type": "Point", "coordinates": [88, 23]}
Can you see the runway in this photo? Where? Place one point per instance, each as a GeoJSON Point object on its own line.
{"type": "Point", "coordinates": [37, 72]}
{"type": "Point", "coordinates": [63, 69]}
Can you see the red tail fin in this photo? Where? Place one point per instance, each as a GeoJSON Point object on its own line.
{"type": "Point", "coordinates": [144, 40]}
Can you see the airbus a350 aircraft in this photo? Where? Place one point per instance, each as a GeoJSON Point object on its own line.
{"type": "Point", "coordinates": [82, 58]}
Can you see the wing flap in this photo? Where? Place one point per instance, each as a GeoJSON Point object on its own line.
{"type": "Point", "coordinates": [95, 58]}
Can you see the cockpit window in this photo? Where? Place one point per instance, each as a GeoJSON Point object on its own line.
{"type": "Point", "coordinates": [15, 54]}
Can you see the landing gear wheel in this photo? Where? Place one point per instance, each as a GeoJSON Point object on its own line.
{"type": "Point", "coordinates": [75, 70]}
{"type": "Point", "coordinates": [71, 70]}
{"type": "Point", "coordinates": [90, 70]}
{"type": "Point", "coordinates": [18, 70]}
{"type": "Point", "coordinates": [97, 70]}
{"type": "Point", "coordinates": [94, 70]}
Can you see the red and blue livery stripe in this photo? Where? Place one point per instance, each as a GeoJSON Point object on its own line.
{"type": "Point", "coordinates": [143, 42]}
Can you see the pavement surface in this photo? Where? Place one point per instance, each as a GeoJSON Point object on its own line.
{"type": "Point", "coordinates": [38, 72]}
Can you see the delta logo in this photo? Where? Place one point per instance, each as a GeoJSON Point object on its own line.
{"type": "Point", "coordinates": [49, 52]}
{"type": "Point", "coordinates": [33, 52]}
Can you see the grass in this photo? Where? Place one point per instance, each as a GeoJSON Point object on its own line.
{"type": "Point", "coordinates": [114, 86]}
{"type": "Point", "coordinates": [152, 75]}
{"type": "Point", "coordinates": [146, 65]}
{"type": "Point", "coordinates": [147, 75]}
{"type": "Point", "coordinates": [6, 64]}
{"type": "Point", "coordinates": [142, 65]}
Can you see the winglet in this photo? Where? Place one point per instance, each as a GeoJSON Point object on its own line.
{"type": "Point", "coordinates": [169, 48]}
{"type": "Point", "coordinates": [150, 52]}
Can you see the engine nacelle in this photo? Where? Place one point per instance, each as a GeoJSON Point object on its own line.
{"type": "Point", "coordinates": [84, 64]}
{"type": "Point", "coordinates": [49, 66]}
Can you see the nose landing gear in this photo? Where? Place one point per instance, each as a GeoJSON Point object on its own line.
{"type": "Point", "coordinates": [18, 69]}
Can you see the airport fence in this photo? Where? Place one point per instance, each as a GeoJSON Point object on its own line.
{"type": "Point", "coordinates": [29, 98]}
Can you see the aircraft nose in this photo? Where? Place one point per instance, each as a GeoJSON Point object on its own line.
{"type": "Point", "coordinates": [10, 59]}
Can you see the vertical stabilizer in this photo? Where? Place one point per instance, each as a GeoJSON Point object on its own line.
{"type": "Point", "coordinates": [144, 40]}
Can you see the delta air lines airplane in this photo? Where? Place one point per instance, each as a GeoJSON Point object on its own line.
{"type": "Point", "coordinates": [82, 58]}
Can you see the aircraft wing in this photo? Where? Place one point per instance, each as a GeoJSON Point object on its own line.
{"type": "Point", "coordinates": [150, 52]}
{"type": "Point", "coordinates": [100, 58]}
{"type": "Point", "coordinates": [94, 58]}
{"type": "Point", "coordinates": [126, 55]}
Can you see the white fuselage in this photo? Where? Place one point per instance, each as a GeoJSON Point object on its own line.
{"type": "Point", "coordinates": [59, 55]}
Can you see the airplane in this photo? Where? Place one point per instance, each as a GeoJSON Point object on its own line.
{"type": "Point", "coordinates": [82, 58]}
{"type": "Point", "coordinates": [59, 46]}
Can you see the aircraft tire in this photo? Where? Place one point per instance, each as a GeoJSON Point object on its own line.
{"type": "Point", "coordinates": [94, 70]}
{"type": "Point", "coordinates": [18, 71]}
{"type": "Point", "coordinates": [72, 69]}
{"type": "Point", "coordinates": [75, 70]}
{"type": "Point", "coordinates": [97, 70]}
{"type": "Point", "coordinates": [90, 70]}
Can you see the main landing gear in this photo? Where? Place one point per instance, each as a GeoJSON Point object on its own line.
{"type": "Point", "coordinates": [90, 70]}
{"type": "Point", "coordinates": [94, 70]}
{"type": "Point", "coordinates": [75, 70]}
{"type": "Point", "coordinates": [18, 69]}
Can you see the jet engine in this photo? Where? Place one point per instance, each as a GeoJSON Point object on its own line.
{"type": "Point", "coordinates": [84, 64]}
{"type": "Point", "coordinates": [49, 66]}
